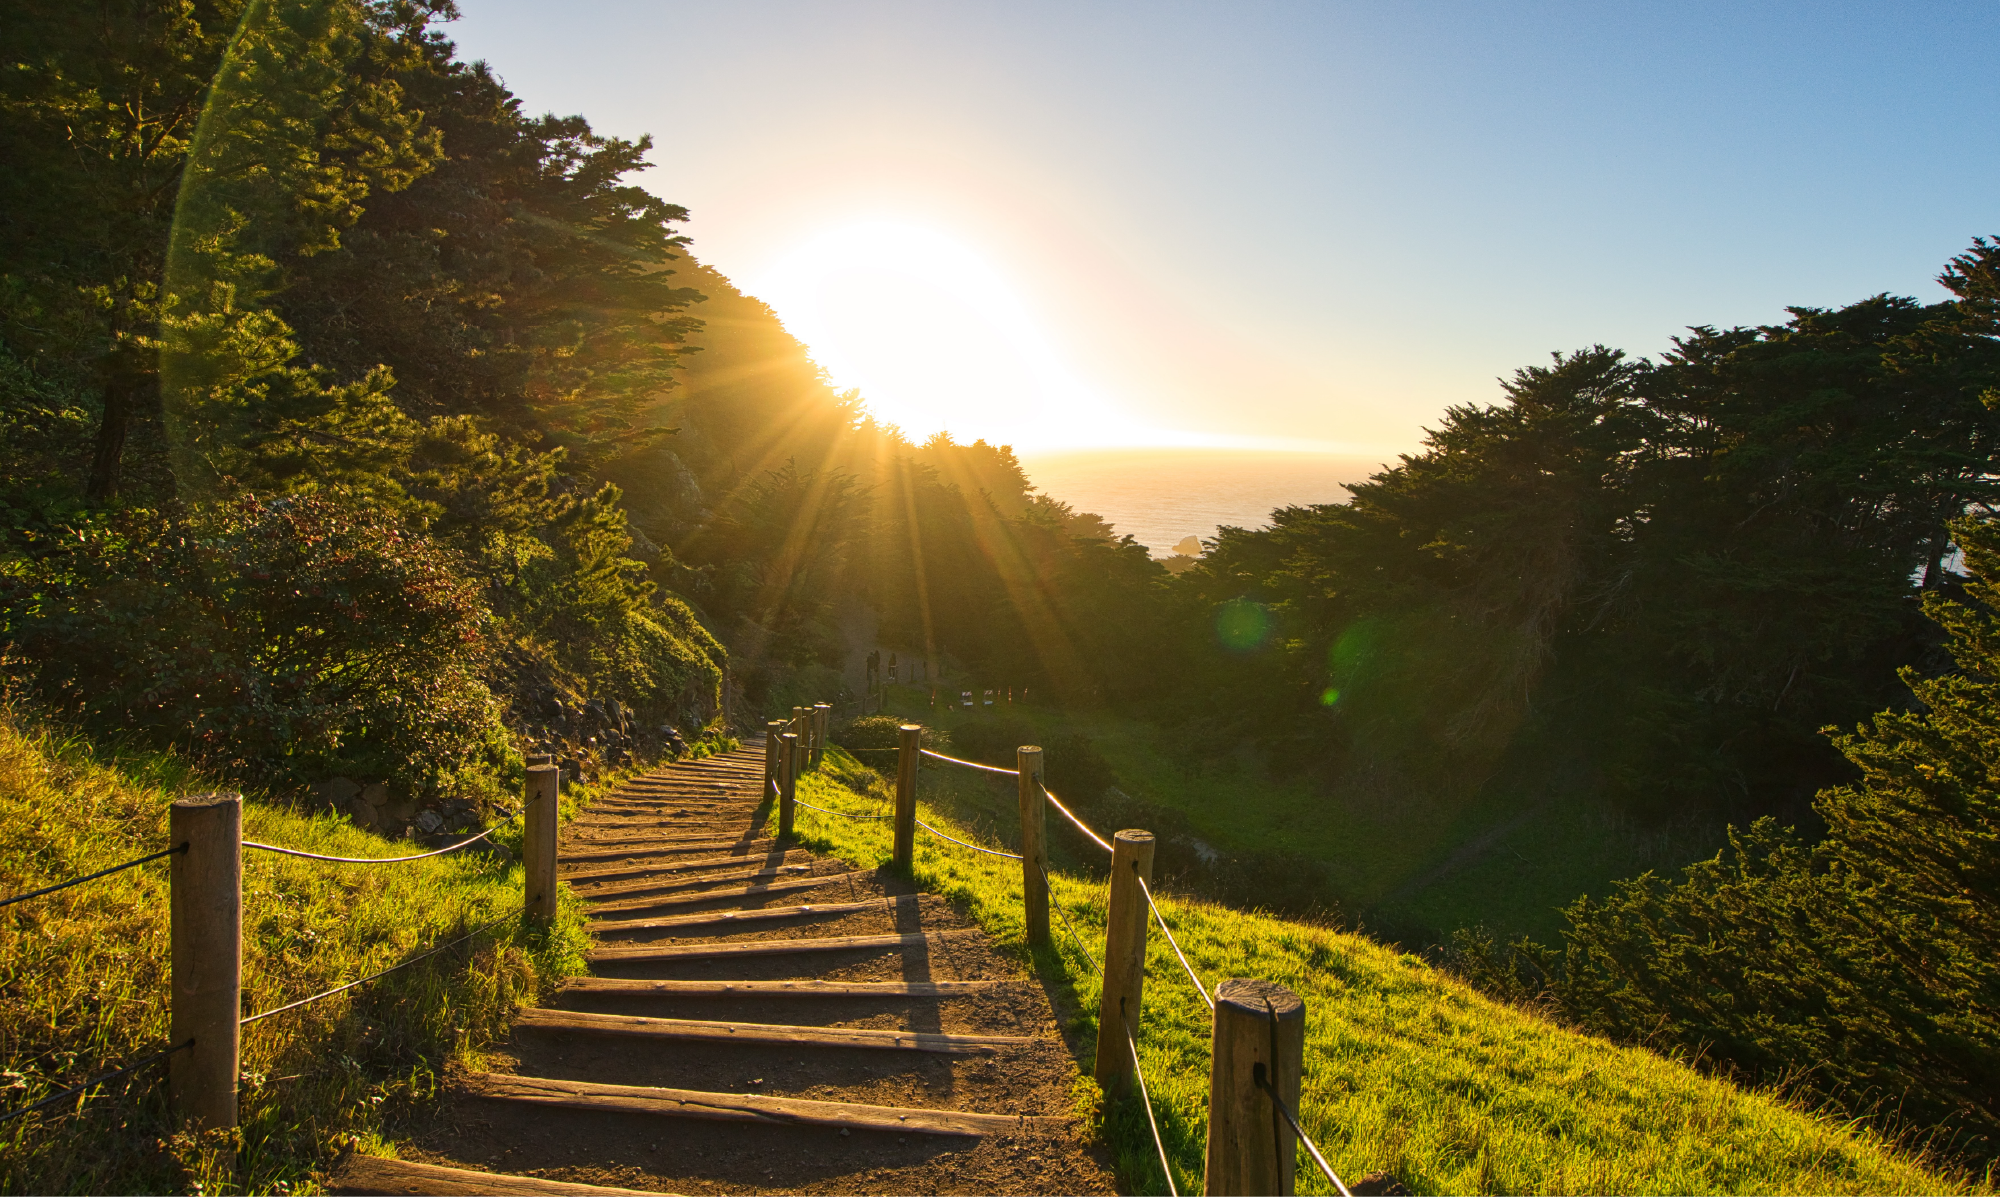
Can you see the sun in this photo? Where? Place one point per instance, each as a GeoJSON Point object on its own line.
{"type": "Point", "coordinates": [937, 336]}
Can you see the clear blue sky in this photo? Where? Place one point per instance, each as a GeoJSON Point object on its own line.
{"type": "Point", "coordinates": [1262, 223]}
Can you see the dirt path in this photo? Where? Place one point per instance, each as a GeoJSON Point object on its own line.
{"type": "Point", "coordinates": [759, 1020]}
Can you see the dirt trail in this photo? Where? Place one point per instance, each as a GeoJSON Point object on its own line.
{"type": "Point", "coordinates": [759, 1019]}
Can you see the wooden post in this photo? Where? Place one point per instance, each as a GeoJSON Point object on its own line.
{"type": "Point", "coordinates": [822, 728]}
{"type": "Point", "coordinates": [906, 796]}
{"type": "Point", "coordinates": [538, 841]}
{"type": "Point", "coordinates": [1250, 1147]}
{"type": "Point", "coordinates": [540, 760]}
{"type": "Point", "coordinates": [1126, 925]}
{"type": "Point", "coordinates": [205, 930]}
{"type": "Point", "coordinates": [1034, 844]}
{"type": "Point", "coordinates": [774, 745]}
{"type": "Point", "coordinates": [788, 783]}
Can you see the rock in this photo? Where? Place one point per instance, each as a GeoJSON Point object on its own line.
{"type": "Point", "coordinates": [1377, 1183]}
{"type": "Point", "coordinates": [336, 791]}
{"type": "Point", "coordinates": [429, 822]}
{"type": "Point", "coordinates": [376, 794]}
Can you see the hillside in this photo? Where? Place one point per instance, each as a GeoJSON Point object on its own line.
{"type": "Point", "coordinates": [1407, 1069]}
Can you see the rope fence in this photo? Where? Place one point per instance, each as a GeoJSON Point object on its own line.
{"type": "Point", "coordinates": [1244, 1061]}
{"type": "Point", "coordinates": [70, 883]}
{"type": "Point", "coordinates": [408, 962]}
{"type": "Point", "coordinates": [481, 835]}
{"type": "Point", "coordinates": [205, 899]}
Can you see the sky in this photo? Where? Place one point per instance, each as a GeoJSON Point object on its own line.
{"type": "Point", "coordinates": [1299, 226]}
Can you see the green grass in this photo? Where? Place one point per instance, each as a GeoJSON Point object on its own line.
{"type": "Point", "coordinates": [1391, 865]}
{"type": "Point", "coordinates": [1407, 1070]}
{"type": "Point", "coordinates": [84, 975]}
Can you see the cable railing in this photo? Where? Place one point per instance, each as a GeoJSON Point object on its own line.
{"type": "Point", "coordinates": [1241, 1082]}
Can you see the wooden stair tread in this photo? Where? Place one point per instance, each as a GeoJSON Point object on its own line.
{"type": "Point", "coordinates": [820, 1036]}
{"type": "Point", "coordinates": [367, 1175]}
{"type": "Point", "coordinates": [736, 916]}
{"type": "Point", "coordinates": [785, 871]}
{"type": "Point", "coordinates": [833, 945]}
{"type": "Point", "coordinates": [773, 988]}
{"type": "Point", "coordinates": [734, 1106]}
{"type": "Point", "coordinates": [593, 849]}
{"type": "Point", "coordinates": [667, 868]}
{"type": "Point", "coordinates": [778, 888]}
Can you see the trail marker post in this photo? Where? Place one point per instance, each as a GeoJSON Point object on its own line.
{"type": "Point", "coordinates": [1260, 1033]}
{"type": "Point", "coordinates": [1034, 844]}
{"type": "Point", "coordinates": [1125, 929]}
{"type": "Point", "coordinates": [788, 784]}
{"type": "Point", "coordinates": [774, 745]}
{"type": "Point", "coordinates": [541, 806]}
{"type": "Point", "coordinates": [910, 746]}
{"type": "Point", "coordinates": [205, 931]}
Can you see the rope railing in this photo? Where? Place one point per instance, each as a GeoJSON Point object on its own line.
{"type": "Point", "coordinates": [484, 833]}
{"type": "Point", "coordinates": [1152, 1122]}
{"type": "Point", "coordinates": [70, 883]}
{"type": "Point", "coordinates": [1084, 949]}
{"type": "Point", "coordinates": [1085, 830]}
{"type": "Point", "coordinates": [1185, 965]}
{"type": "Point", "coordinates": [105, 1078]}
{"type": "Point", "coordinates": [1237, 1172]}
{"type": "Point", "coordinates": [850, 816]}
{"type": "Point", "coordinates": [408, 962]}
{"type": "Point", "coordinates": [960, 762]}
{"type": "Point", "coordinates": [1264, 1082]}
{"type": "Point", "coordinates": [925, 825]}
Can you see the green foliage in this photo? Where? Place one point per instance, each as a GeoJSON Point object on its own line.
{"type": "Point", "coordinates": [305, 635]}
{"type": "Point", "coordinates": [1859, 965]}
{"type": "Point", "coordinates": [1657, 580]}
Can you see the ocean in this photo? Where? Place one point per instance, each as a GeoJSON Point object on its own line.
{"type": "Point", "coordinates": [1162, 496]}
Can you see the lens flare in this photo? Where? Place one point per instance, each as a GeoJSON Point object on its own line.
{"type": "Point", "coordinates": [1243, 625]}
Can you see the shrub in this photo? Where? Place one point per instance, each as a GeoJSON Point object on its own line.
{"type": "Point", "coordinates": [297, 637]}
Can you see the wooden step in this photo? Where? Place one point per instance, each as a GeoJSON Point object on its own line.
{"type": "Point", "coordinates": [779, 888]}
{"type": "Point", "coordinates": [833, 945]}
{"type": "Point", "coordinates": [637, 870]}
{"type": "Point", "coordinates": [557, 1020]}
{"type": "Point", "coordinates": [738, 916]}
{"type": "Point", "coordinates": [590, 851]}
{"type": "Point", "coordinates": [772, 989]}
{"type": "Point", "coordinates": [736, 1106]}
{"type": "Point", "coordinates": [367, 1175]}
{"type": "Point", "coordinates": [780, 872]}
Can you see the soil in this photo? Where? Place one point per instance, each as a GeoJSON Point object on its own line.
{"type": "Point", "coordinates": [718, 800]}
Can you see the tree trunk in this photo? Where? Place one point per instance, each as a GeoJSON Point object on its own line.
{"type": "Point", "coordinates": [119, 395]}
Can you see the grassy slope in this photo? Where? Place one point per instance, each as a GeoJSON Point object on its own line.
{"type": "Point", "coordinates": [83, 979]}
{"type": "Point", "coordinates": [1406, 1069]}
{"type": "Point", "coordinates": [1379, 853]}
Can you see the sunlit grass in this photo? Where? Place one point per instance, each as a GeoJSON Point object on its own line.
{"type": "Point", "coordinates": [1406, 1069]}
{"type": "Point", "coordinates": [84, 976]}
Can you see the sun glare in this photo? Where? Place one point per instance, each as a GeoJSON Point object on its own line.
{"type": "Point", "coordinates": [938, 337]}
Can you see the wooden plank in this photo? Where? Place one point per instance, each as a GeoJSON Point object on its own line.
{"type": "Point", "coordinates": [783, 872]}
{"type": "Point", "coordinates": [834, 945]}
{"type": "Point", "coordinates": [738, 916]}
{"type": "Point", "coordinates": [768, 989]}
{"type": "Point", "coordinates": [674, 1029]}
{"type": "Point", "coordinates": [762, 1110]}
{"type": "Point", "coordinates": [589, 851]}
{"type": "Point", "coordinates": [637, 870]}
{"type": "Point", "coordinates": [781, 888]}
{"type": "Point", "coordinates": [367, 1175]}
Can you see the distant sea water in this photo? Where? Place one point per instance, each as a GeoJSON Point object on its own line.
{"type": "Point", "coordinates": [1162, 496]}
